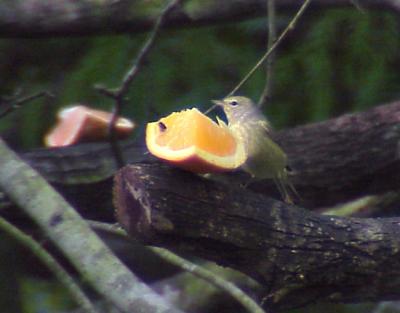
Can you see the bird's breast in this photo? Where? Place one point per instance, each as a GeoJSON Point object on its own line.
{"type": "Point", "coordinates": [250, 135]}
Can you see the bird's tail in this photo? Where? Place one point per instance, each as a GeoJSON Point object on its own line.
{"type": "Point", "coordinates": [286, 188]}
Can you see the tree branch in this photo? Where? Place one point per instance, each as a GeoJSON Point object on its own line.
{"type": "Point", "coordinates": [62, 275]}
{"type": "Point", "coordinates": [28, 18]}
{"type": "Point", "coordinates": [119, 94]}
{"type": "Point", "coordinates": [68, 231]}
{"type": "Point", "coordinates": [274, 45]}
{"type": "Point", "coordinates": [299, 256]}
{"type": "Point", "coordinates": [196, 270]}
{"type": "Point", "coordinates": [344, 158]}
{"type": "Point", "coordinates": [13, 103]}
{"type": "Point", "coordinates": [269, 67]}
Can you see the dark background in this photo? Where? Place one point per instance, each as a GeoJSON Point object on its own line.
{"type": "Point", "coordinates": [335, 61]}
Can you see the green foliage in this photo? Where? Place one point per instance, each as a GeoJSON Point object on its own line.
{"type": "Point", "coordinates": [43, 296]}
{"type": "Point", "coordinates": [343, 63]}
{"type": "Point", "coordinates": [339, 61]}
{"type": "Point", "coordinates": [29, 66]}
{"type": "Point", "coordinates": [104, 62]}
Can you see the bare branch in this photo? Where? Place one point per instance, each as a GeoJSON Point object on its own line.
{"type": "Point", "coordinates": [68, 231]}
{"type": "Point", "coordinates": [119, 93]}
{"type": "Point", "coordinates": [51, 263]}
{"type": "Point", "coordinates": [266, 94]}
{"type": "Point", "coordinates": [192, 268]}
{"type": "Point", "coordinates": [282, 36]}
{"type": "Point", "coordinates": [14, 103]}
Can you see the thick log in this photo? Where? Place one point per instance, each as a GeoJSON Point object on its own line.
{"type": "Point", "coordinates": [346, 157]}
{"type": "Point", "coordinates": [299, 256]}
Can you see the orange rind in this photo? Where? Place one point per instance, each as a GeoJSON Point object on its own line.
{"type": "Point", "coordinates": [83, 124]}
{"type": "Point", "coordinates": [191, 140]}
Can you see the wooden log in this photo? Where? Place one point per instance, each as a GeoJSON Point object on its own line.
{"type": "Point", "coordinates": [299, 256]}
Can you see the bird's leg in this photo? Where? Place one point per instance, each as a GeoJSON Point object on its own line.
{"type": "Point", "coordinates": [283, 190]}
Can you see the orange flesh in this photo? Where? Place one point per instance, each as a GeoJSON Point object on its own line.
{"type": "Point", "coordinates": [191, 128]}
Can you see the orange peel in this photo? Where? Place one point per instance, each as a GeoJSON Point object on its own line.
{"type": "Point", "coordinates": [83, 124]}
{"type": "Point", "coordinates": [191, 140]}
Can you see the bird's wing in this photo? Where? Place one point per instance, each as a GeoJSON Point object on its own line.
{"type": "Point", "coordinates": [264, 124]}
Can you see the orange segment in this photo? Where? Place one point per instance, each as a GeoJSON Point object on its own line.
{"type": "Point", "coordinates": [191, 140]}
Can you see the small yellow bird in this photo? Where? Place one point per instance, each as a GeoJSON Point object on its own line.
{"type": "Point", "coordinates": [265, 158]}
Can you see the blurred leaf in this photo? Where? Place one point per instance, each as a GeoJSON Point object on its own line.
{"type": "Point", "coordinates": [338, 61]}
{"type": "Point", "coordinates": [43, 296]}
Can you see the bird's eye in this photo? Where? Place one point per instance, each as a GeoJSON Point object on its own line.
{"type": "Point", "coordinates": [233, 103]}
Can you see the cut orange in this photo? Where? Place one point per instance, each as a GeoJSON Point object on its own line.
{"type": "Point", "coordinates": [83, 124]}
{"type": "Point", "coordinates": [191, 140]}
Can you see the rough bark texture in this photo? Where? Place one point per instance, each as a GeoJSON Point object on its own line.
{"type": "Point", "coordinates": [299, 256]}
{"type": "Point", "coordinates": [28, 18]}
{"type": "Point", "coordinates": [344, 158]}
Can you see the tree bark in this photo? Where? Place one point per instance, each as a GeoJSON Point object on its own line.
{"type": "Point", "coordinates": [46, 18]}
{"type": "Point", "coordinates": [299, 256]}
{"type": "Point", "coordinates": [344, 158]}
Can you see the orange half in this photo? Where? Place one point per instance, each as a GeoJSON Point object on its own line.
{"type": "Point", "coordinates": [191, 140]}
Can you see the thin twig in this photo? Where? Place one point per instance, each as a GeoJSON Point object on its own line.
{"type": "Point", "coordinates": [211, 278]}
{"type": "Point", "coordinates": [352, 207]}
{"type": "Point", "coordinates": [118, 94]}
{"type": "Point", "coordinates": [291, 25]}
{"type": "Point", "coordinates": [192, 268]}
{"type": "Point", "coordinates": [358, 6]}
{"type": "Point", "coordinates": [52, 264]}
{"type": "Point", "coordinates": [112, 138]}
{"type": "Point", "coordinates": [141, 58]}
{"type": "Point", "coordinates": [13, 104]}
{"type": "Point", "coordinates": [266, 94]}
{"type": "Point", "coordinates": [109, 228]}
{"type": "Point", "coordinates": [371, 203]}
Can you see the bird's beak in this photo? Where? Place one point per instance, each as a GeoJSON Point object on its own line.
{"type": "Point", "coordinates": [218, 102]}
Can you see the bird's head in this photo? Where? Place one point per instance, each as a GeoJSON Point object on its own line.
{"type": "Point", "coordinates": [236, 107]}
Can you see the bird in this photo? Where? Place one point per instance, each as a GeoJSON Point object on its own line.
{"type": "Point", "coordinates": [265, 159]}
